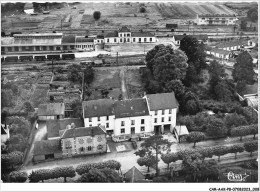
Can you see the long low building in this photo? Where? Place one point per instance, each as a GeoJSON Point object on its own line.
{"type": "Point", "coordinates": [216, 19]}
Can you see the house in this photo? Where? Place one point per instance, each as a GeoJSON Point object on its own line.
{"type": "Point", "coordinates": [252, 43]}
{"type": "Point", "coordinates": [219, 53]}
{"type": "Point", "coordinates": [84, 44]}
{"type": "Point", "coordinates": [5, 135]}
{"type": "Point", "coordinates": [55, 126]}
{"type": "Point", "coordinates": [180, 132]}
{"type": "Point", "coordinates": [201, 38]}
{"type": "Point", "coordinates": [125, 35]}
{"type": "Point", "coordinates": [232, 45]}
{"type": "Point", "coordinates": [163, 110]}
{"type": "Point", "coordinates": [51, 111]}
{"type": "Point", "coordinates": [47, 150]}
{"type": "Point", "coordinates": [131, 117]}
{"type": "Point", "coordinates": [83, 140]}
{"type": "Point", "coordinates": [252, 100]}
{"type": "Point", "coordinates": [134, 175]}
{"type": "Point", "coordinates": [216, 19]}
{"type": "Point", "coordinates": [99, 112]}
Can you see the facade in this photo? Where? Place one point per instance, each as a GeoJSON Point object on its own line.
{"type": "Point", "coordinates": [83, 140]}
{"type": "Point", "coordinates": [232, 45]}
{"type": "Point", "coordinates": [51, 111]}
{"type": "Point", "coordinates": [84, 44]}
{"type": "Point", "coordinates": [5, 135]}
{"type": "Point", "coordinates": [217, 19]}
{"type": "Point", "coordinates": [220, 53]}
{"type": "Point", "coordinates": [163, 110]}
{"type": "Point", "coordinates": [201, 38]}
{"type": "Point", "coordinates": [124, 35]}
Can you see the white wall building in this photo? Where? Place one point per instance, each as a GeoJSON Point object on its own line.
{"type": "Point", "coordinates": [217, 19]}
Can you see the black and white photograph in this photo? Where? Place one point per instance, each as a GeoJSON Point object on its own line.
{"type": "Point", "coordinates": [161, 92]}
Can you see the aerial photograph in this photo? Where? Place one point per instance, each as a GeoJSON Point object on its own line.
{"type": "Point", "coordinates": [129, 92]}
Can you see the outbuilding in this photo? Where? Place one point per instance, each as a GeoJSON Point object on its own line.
{"type": "Point", "coordinates": [51, 111]}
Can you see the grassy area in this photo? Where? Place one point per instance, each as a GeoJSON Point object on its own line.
{"type": "Point", "coordinates": [134, 83]}
{"type": "Point", "coordinates": [106, 79]}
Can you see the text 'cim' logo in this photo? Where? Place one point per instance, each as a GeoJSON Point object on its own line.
{"type": "Point", "coordinates": [236, 177]}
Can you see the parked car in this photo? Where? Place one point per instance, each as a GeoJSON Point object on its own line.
{"type": "Point", "coordinates": [120, 138]}
{"type": "Point", "coordinates": [134, 144]}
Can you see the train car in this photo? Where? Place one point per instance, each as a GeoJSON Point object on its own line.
{"type": "Point", "coordinates": [40, 58]}
{"type": "Point", "coordinates": [11, 59]}
{"type": "Point", "coordinates": [68, 56]}
{"type": "Point", "coordinates": [53, 57]}
{"type": "Point", "coordinates": [26, 58]}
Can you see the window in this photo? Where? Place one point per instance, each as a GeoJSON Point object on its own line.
{"type": "Point", "coordinates": [162, 119]}
{"type": "Point", "coordinates": [89, 140]}
{"type": "Point", "coordinates": [142, 128]}
{"type": "Point", "coordinates": [100, 147]}
{"type": "Point", "coordinates": [223, 18]}
{"type": "Point", "coordinates": [133, 39]}
{"type": "Point", "coordinates": [151, 39]}
{"type": "Point", "coordinates": [142, 121]}
{"type": "Point", "coordinates": [132, 130]}
{"type": "Point", "coordinates": [132, 122]}
{"type": "Point", "coordinates": [217, 18]}
{"type": "Point", "coordinates": [108, 40]}
{"type": "Point", "coordinates": [170, 118]}
{"type": "Point", "coordinates": [98, 118]}
{"type": "Point", "coordinates": [107, 125]}
{"type": "Point", "coordinates": [128, 35]}
{"type": "Point", "coordinates": [90, 119]}
{"type": "Point", "coordinates": [90, 125]}
{"type": "Point", "coordinates": [122, 123]}
{"type": "Point", "coordinates": [81, 149]}
{"type": "Point", "coordinates": [99, 139]}
{"type": "Point", "coordinates": [203, 18]}
{"type": "Point", "coordinates": [122, 130]}
{"type": "Point", "coordinates": [128, 40]}
{"type": "Point", "coordinates": [139, 39]}
{"type": "Point", "coordinates": [124, 35]}
{"type": "Point", "coordinates": [155, 120]}
{"type": "Point", "coordinates": [81, 141]}
{"type": "Point", "coordinates": [170, 111]}
{"type": "Point", "coordinates": [68, 145]}
{"type": "Point", "coordinates": [89, 148]}
{"type": "Point", "coordinates": [115, 40]}
{"type": "Point", "coordinates": [144, 39]}
{"type": "Point", "coordinates": [162, 112]}
{"type": "Point", "coordinates": [121, 40]}
{"type": "Point", "coordinates": [107, 118]}
{"type": "Point", "coordinates": [156, 112]}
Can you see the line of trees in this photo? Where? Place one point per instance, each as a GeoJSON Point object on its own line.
{"type": "Point", "coordinates": [244, 130]}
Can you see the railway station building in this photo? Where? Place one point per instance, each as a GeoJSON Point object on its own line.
{"type": "Point", "coordinates": [216, 19]}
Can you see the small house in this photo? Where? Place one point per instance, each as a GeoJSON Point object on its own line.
{"type": "Point", "coordinates": [133, 175]}
{"type": "Point", "coordinates": [51, 111]}
{"type": "Point", "coordinates": [180, 132]}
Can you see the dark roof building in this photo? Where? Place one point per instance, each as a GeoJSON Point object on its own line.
{"type": "Point", "coordinates": [202, 37]}
{"type": "Point", "coordinates": [161, 101]}
{"type": "Point", "coordinates": [51, 109]}
{"type": "Point", "coordinates": [134, 175]}
{"type": "Point", "coordinates": [98, 108]}
{"type": "Point", "coordinates": [84, 40]}
{"type": "Point", "coordinates": [112, 34]}
{"type": "Point", "coordinates": [54, 126]}
{"type": "Point", "coordinates": [124, 29]}
{"type": "Point", "coordinates": [46, 147]}
{"type": "Point", "coordinates": [220, 51]}
{"type": "Point", "coordinates": [68, 39]}
{"type": "Point", "coordinates": [83, 131]}
{"type": "Point", "coordinates": [131, 108]}
{"type": "Point", "coordinates": [142, 34]}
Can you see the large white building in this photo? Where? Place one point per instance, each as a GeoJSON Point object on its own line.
{"type": "Point", "coordinates": [153, 113]}
{"type": "Point", "coordinates": [216, 19]}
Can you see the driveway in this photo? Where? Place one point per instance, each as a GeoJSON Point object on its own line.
{"type": "Point", "coordinates": [40, 134]}
{"type": "Point", "coordinates": [123, 83]}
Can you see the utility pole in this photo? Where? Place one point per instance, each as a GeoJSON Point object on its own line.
{"type": "Point", "coordinates": [83, 86]}
{"type": "Point", "coordinates": [117, 58]}
{"type": "Point", "coordinates": [61, 24]}
{"type": "Point", "coordinates": [52, 64]}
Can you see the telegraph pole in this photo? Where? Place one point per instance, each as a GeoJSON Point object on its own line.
{"type": "Point", "coordinates": [52, 65]}
{"type": "Point", "coordinates": [117, 58]}
{"type": "Point", "coordinates": [83, 86]}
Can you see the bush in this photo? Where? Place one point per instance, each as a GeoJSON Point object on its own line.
{"type": "Point", "coordinates": [195, 137]}
{"type": "Point", "coordinates": [250, 114]}
{"type": "Point", "coordinates": [236, 149]}
{"type": "Point", "coordinates": [220, 150]}
{"type": "Point", "coordinates": [18, 177]}
{"type": "Point", "coordinates": [216, 127]}
{"type": "Point", "coordinates": [63, 172]}
{"type": "Point", "coordinates": [234, 120]}
{"type": "Point", "coordinates": [40, 175]}
{"type": "Point", "coordinates": [251, 147]}
{"type": "Point", "coordinates": [142, 9]}
{"type": "Point", "coordinates": [218, 106]}
{"type": "Point", "coordinates": [240, 131]}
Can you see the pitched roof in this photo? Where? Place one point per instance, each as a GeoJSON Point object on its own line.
{"type": "Point", "coordinates": [220, 51]}
{"type": "Point", "coordinates": [111, 34]}
{"type": "Point", "coordinates": [133, 175]}
{"type": "Point", "coordinates": [3, 130]}
{"type": "Point", "coordinates": [131, 108]}
{"type": "Point", "coordinates": [46, 147]}
{"type": "Point", "coordinates": [83, 131]}
{"type": "Point", "coordinates": [181, 130]}
{"type": "Point", "coordinates": [98, 108]}
{"type": "Point", "coordinates": [124, 29]}
{"type": "Point", "coordinates": [232, 44]}
{"type": "Point", "coordinates": [54, 126]}
{"type": "Point", "coordinates": [142, 34]}
{"type": "Point", "coordinates": [162, 101]}
{"type": "Point", "coordinates": [83, 39]}
{"type": "Point", "coordinates": [68, 39]}
{"type": "Point", "coordinates": [198, 37]}
{"type": "Point", "coordinates": [51, 109]}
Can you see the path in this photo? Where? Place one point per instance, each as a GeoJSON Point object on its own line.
{"type": "Point", "coordinates": [40, 134]}
{"type": "Point", "coordinates": [123, 83]}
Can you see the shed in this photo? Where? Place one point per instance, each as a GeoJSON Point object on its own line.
{"type": "Point", "coordinates": [51, 111]}
{"type": "Point", "coordinates": [180, 131]}
{"type": "Point", "coordinates": [133, 175]}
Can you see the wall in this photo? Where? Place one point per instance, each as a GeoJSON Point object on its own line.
{"type": "Point", "coordinates": [142, 40]}
{"type": "Point", "coordinates": [166, 117]}
{"type": "Point", "coordinates": [137, 125]}
{"type": "Point", "coordinates": [39, 158]}
{"type": "Point", "coordinates": [103, 121]}
{"type": "Point", "coordinates": [40, 41]}
{"type": "Point", "coordinates": [87, 141]}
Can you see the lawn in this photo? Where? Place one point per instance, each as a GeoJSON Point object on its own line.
{"type": "Point", "coordinates": [106, 79]}
{"type": "Point", "coordinates": [134, 84]}
{"type": "Point", "coordinates": [39, 96]}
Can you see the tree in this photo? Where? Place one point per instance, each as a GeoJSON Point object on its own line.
{"type": "Point", "coordinates": [223, 91]}
{"type": "Point", "coordinates": [220, 150]}
{"type": "Point", "coordinates": [251, 146]}
{"type": "Point", "coordinates": [249, 113]}
{"type": "Point", "coordinates": [244, 68]}
{"type": "Point", "coordinates": [195, 137]}
{"type": "Point", "coordinates": [12, 86]}
{"type": "Point", "coordinates": [190, 104]}
{"type": "Point", "coordinates": [153, 87]}
{"type": "Point", "coordinates": [154, 144]}
{"type": "Point", "coordinates": [17, 143]}
{"type": "Point", "coordinates": [40, 175]}
{"type": "Point", "coordinates": [243, 25]}
{"type": "Point", "coordinates": [97, 15]}
{"type": "Point", "coordinates": [76, 108]}
{"type": "Point", "coordinates": [252, 14]}
{"type": "Point", "coordinates": [11, 159]}
{"type": "Point", "coordinates": [100, 176]}
{"type": "Point", "coordinates": [169, 158]}
{"type": "Point", "coordinates": [74, 73]}
{"type": "Point", "coordinates": [240, 132]}
{"type": "Point", "coordinates": [64, 172]}
{"type": "Point", "coordinates": [28, 106]}
{"type": "Point", "coordinates": [18, 176]}
{"type": "Point", "coordinates": [175, 86]}
{"type": "Point", "coordinates": [147, 161]}
{"type": "Point", "coordinates": [236, 149]}
{"type": "Point", "coordinates": [142, 9]}
{"type": "Point", "coordinates": [192, 76]}
{"type": "Point", "coordinates": [4, 116]}
{"type": "Point", "coordinates": [7, 98]}
{"type": "Point", "coordinates": [18, 125]}
{"type": "Point", "coordinates": [234, 120]}
{"type": "Point", "coordinates": [241, 87]}
{"type": "Point", "coordinates": [253, 129]}
{"type": "Point", "coordinates": [88, 75]}
{"type": "Point", "coordinates": [216, 127]}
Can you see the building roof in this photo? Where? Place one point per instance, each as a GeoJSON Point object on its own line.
{"type": "Point", "coordinates": [83, 39]}
{"type": "Point", "coordinates": [217, 15]}
{"type": "Point", "coordinates": [133, 175]}
{"type": "Point", "coordinates": [54, 126]}
{"type": "Point", "coordinates": [37, 34]}
{"type": "Point", "coordinates": [68, 39]}
{"type": "Point", "coordinates": [181, 130]}
{"type": "Point", "coordinates": [232, 44]}
{"type": "Point", "coordinates": [3, 130]}
{"type": "Point", "coordinates": [98, 108]}
{"type": "Point", "coordinates": [124, 29]}
{"type": "Point", "coordinates": [111, 34]}
{"type": "Point", "coordinates": [162, 101]}
{"type": "Point", "coordinates": [45, 147]}
{"type": "Point", "coordinates": [198, 37]}
{"type": "Point", "coordinates": [51, 109]}
{"type": "Point", "coordinates": [131, 108]}
{"type": "Point", "coordinates": [252, 99]}
{"type": "Point", "coordinates": [83, 131]}
{"type": "Point", "coordinates": [142, 34]}
{"type": "Point", "coordinates": [220, 51]}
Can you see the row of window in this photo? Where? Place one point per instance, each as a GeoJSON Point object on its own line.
{"type": "Point", "coordinates": [218, 18]}
{"type": "Point", "coordinates": [169, 119]}
{"type": "Point", "coordinates": [89, 148]}
{"type": "Point", "coordinates": [84, 46]}
{"type": "Point", "coordinates": [98, 119]}
{"type": "Point", "coordinates": [125, 35]}
{"type": "Point", "coordinates": [128, 40]}
{"type": "Point", "coordinates": [37, 37]}
{"type": "Point", "coordinates": [132, 122]}
{"type": "Point", "coordinates": [35, 48]}
{"type": "Point", "coordinates": [132, 130]}
{"type": "Point", "coordinates": [163, 112]}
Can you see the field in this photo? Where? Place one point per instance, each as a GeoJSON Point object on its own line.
{"type": "Point", "coordinates": [134, 84]}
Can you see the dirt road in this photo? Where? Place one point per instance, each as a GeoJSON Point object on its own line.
{"type": "Point", "coordinates": [123, 83]}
